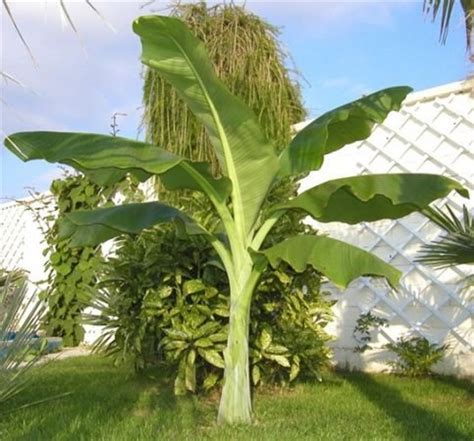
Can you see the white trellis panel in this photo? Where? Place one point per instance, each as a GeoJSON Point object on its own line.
{"type": "Point", "coordinates": [21, 243]}
{"type": "Point", "coordinates": [21, 239]}
{"type": "Point", "coordinates": [432, 133]}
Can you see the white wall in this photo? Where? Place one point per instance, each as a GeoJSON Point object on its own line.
{"type": "Point", "coordinates": [432, 133]}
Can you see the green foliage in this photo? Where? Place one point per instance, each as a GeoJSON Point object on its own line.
{"type": "Point", "coordinates": [165, 300]}
{"type": "Point", "coordinates": [72, 271]}
{"type": "Point", "coordinates": [368, 197]}
{"type": "Point", "coordinates": [456, 246]}
{"type": "Point", "coordinates": [287, 327]}
{"type": "Point", "coordinates": [365, 325]}
{"type": "Point", "coordinates": [250, 168]}
{"type": "Point", "coordinates": [328, 133]}
{"type": "Point", "coordinates": [339, 261]}
{"type": "Point", "coordinates": [416, 355]}
{"type": "Point", "coordinates": [157, 283]}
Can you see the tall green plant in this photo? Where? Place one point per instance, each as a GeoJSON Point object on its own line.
{"type": "Point", "coordinates": [250, 168]}
{"type": "Point", "coordinates": [245, 53]}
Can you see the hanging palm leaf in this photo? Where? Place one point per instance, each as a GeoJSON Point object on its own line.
{"type": "Point", "coordinates": [445, 8]}
{"type": "Point", "coordinates": [456, 247]}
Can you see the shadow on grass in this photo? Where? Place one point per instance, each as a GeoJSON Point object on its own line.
{"type": "Point", "coordinates": [415, 422]}
{"type": "Point", "coordinates": [102, 396]}
{"type": "Point", "coordinates": [463, 385]}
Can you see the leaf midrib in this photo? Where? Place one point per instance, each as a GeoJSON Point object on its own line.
{"type": "Point", "coordinates": [236, 194]}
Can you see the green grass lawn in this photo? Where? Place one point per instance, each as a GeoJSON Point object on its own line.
{"type": "Point", "coordinates": [109, 403]}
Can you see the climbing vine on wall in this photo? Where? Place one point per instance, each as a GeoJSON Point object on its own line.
{"type": "Point", "coordinates": [71, 271]}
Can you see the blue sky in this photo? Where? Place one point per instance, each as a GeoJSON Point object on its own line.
{"type": "Point", "coordinates": [343, 50]}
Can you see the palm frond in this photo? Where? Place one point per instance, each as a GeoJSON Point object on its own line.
{"type": "Point", "coordinates": [100, 15]}
{"type": "Point", "coordinates": [18, 31]}
{"type": "Point", "coordinates": [65, 15]}
{"type": "Point", "coordinates": [22, 313]}
{"type": "Point", "coordinates": [456, 247]}
{"type": "Point", "coordinates": [445, 9]}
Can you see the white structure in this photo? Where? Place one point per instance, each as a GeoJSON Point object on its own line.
{"type": "Point", "coordinates": [432, 133]}
{"type": "Point", "coordinates": [21, 239]}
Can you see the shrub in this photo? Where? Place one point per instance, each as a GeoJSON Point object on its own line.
{"type": "Point", "coordinates": [416, 355]}
{"type": "Point", "coordinates": [365, 325]}
{"type": "Point", "coordinates": [165, 300]}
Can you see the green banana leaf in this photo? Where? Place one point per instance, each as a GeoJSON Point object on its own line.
{"type": "Point", "coordinates": [338, 261]}
{"type": "Point", "coordinates": [187, 176]}
{"type": "Point", "coordinates": [335, 129]}
{"type": "Point", "coordinates": [108, 158]}
{"type": "Point", "coordinates": [373, 197]}
{"type": "Point", "coordinates": [92, 227]}
{"type": "Point", "coordinates": [246, 157]}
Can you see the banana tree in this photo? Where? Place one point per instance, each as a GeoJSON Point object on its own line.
{"type": "Point", "coordinates": [250, 168]}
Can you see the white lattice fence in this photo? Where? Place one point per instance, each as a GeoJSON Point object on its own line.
{"type": "Point", "coordinates": [21, 244]}
{"type": "Point", "coordinates": [21, 239]}
{"type": "Point", "coordinates": [432, 133]}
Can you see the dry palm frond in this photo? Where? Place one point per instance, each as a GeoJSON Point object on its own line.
{"type": "Point", "coordinates": [247, 57]}
{"type": "Point", "coordinates": [249, 60]}
{"type": "Point", "coordinates": [18, 31]}
{"type": "Point", "coordinates": [91, 5]}
{"type": "Point", "coordinates": [64, 13]}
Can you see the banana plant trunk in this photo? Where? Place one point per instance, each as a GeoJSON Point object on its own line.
{"type": "Point", "coordinates": [236, 405]}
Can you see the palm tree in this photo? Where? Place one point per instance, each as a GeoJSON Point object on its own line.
{"type": "Point", "coordinates": [456, 246]}
{"type": "Point", "coordinates": [63, 10]}
{"type": "Point", "coordinates": [445, 8]}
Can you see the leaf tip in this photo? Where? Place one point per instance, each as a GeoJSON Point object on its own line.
{"type": "Point", "coordinates": [463, 191]}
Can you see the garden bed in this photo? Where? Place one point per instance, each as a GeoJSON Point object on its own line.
{"type": "Point", "coordinates": [109, 403]}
